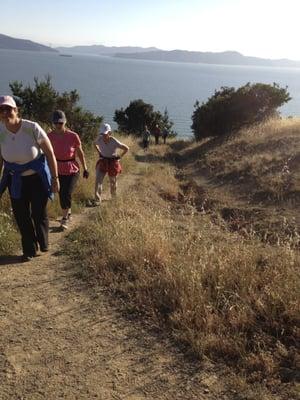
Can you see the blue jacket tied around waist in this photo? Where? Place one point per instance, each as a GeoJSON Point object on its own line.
{"type": "Point", "coordinates": [14, 171]}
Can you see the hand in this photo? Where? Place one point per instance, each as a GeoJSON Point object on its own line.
{"type": "Point", "coordinates": [86, 174]}
{"type": "Point", "coordinates": [55, 185]}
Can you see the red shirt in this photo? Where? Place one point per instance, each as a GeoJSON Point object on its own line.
{"type": "Point", "coordinates": [64, 146]}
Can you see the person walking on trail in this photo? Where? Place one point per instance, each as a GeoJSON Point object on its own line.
{"type": "Point", "coordinates": [67, 148]}
{"type": "Point", "coordinates": [165, 134]}
{"type": "Point", "coordinates": [107, 146]}
{"type": "Point", "coordinates": [30, 174]}
{"type": "Point", "coordinates": [156, 133]}
{"type": "Point", "coordinates": [146, 138]}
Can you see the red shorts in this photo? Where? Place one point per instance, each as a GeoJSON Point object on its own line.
{"type": "Point", "coordinates": [111, 167]}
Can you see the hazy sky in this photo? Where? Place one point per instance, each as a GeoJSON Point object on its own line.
{"type": "Point", "coordinates": [263, 28]}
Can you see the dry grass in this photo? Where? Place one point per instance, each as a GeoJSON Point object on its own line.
{"type": "Point", "coordinates": [230, 298]}
{"type": "Point", "coordinates": [263, 160]}
{"type": "Point", "coordinates": [8, 233]}
{"type": "Point", "coordinates": [251, 180]}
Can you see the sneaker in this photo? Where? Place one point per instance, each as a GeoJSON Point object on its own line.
{"type": "Point", "coordinates": [69, 217]}
{"type": "Point", "coordinates": [26, 258]}
{"type": "Point", "coordinates": [94, 203]}
{"type": "Point", "coordinates": [64, 223]}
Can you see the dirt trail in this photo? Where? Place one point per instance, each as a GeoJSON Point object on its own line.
{"type": "Point", "coordinates": [60, 338]}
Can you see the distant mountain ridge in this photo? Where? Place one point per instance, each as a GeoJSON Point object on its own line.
{"type": "Point", "coordinates": [10, 43]}
{"type": "Point", "coordinates": [105, 50]}
{"type": "Point", "coordinates": [155, 54]}
{"type": "Point", "coordinates": [226, 58]}
{"type": "Point", "coordinates": [150, 53]}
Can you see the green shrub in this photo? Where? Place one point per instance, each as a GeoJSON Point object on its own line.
{"type": "Point", "coordinates": [229, 109]}
{"type": "Point", "coordinates": [138, 114]}
{"type": "Point", "coordinates": [39, 102]}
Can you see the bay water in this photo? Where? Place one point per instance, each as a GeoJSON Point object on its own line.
{"type": "Point", "coordinates": [109, 83]}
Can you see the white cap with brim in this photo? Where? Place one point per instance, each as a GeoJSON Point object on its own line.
{"type": "Point", "coordinates": [104, 129]}
{"type": "Point", "coordinates": [7, 101]}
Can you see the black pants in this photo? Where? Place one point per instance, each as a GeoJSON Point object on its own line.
{"type": "Point", "coordinates": [31, 216]}
{"type": "Point", "coordinates": [67, 185]}
{"type": "Point", "coordinates": [146, 144]}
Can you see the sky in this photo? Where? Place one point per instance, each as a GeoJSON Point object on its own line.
{"type": "Point", "coordinates": [262, 28]}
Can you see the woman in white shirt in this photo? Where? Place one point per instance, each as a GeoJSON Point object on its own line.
{"type": "Point", "coordinates": [108, 162]}
{"type": "Point", "coordinates": [28, 159]}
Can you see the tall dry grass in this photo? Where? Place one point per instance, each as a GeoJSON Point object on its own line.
{"type": "Point", "coordinates": [8, 233]}
{"type": "Point", "coordinates": [264, 159]}
{"type": "Point", "coordinates": [230, 298]}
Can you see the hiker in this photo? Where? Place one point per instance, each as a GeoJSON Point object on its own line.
{"type": "Point", "coordinates": [108, 163]}
{"type": "Point", "coordinates": [67, 147]}
{"type": "Point", "coordinates": [146, 138]}
{"type": "Point", "coordinates": [156, 133]}
{"type": "Point", "coordinates": [30, 173]}
{"type": "Point", "coordinates": [165, 134]}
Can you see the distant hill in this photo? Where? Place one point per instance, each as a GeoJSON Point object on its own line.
{"type": "Point", "coordinates": [9, 43]}
{"type": "Point", "coordinates": [105, 50]}
{"type": "Point", "coordinates": [226, 57]}
{"type": "Point", "coordinates": [150, 53]}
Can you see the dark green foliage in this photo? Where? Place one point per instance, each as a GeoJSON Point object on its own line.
{"type": "Point", "coordinates": [39, 102]}
{"type": "Point", "coordinates": [138, 114]}
{"type": "Point", "coordinates": [230, 109]}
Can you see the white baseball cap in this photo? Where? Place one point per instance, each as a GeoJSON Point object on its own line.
{"type": "Point", "coordinates": [7, 101]}
{"type": "Point", "coordinates": [104, 129]}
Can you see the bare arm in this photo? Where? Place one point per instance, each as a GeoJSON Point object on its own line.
{"type": "Point", "coordinates": [46, 146]}
{"type": "Point", "coordinates": [124, 149]}
{"type": "Point", "coordinates": [80, 154]}
{"type": "Point", "coordinates": [97, 148]}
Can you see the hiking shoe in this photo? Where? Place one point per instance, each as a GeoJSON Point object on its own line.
{"type": "Point", "coordinates": [64, 223]}
{"type": "Point", "coordinates": [26, 258]}
{"type": "Point", "coordinates": [94, 203]}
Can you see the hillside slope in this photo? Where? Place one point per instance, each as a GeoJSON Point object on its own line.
{"type": "Point", "coordinates": [197, 249]}
{"type": "Point", "coordinates": [222, 58]}
{"type": "Point", "coordinates": [64, 336]}
{"type": "Point", "coordinates": [184, 287]}
{"type": "Point", "coordinates": [252, 179]}
{"type": "Point", "coordinates": [10, 43]}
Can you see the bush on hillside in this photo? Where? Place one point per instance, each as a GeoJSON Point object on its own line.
{"type": "Point", "coordinates": [229, 109]}
{"type": "Point", "coordinates": [38, 103]}
{"type": "Point", "coordinates": [133, 119]}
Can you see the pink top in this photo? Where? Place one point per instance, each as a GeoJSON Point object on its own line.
{"type": "Point", "coordinates": [64, 146]}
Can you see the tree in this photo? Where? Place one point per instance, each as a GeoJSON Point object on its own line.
{"type": "Point", "coordinates": [137, 115]}
{"type": "Point", "coordinates": [38, 103]}
{"type": "Point", "coordinates": [167, 124]}
{"type": "Point", "coordinates": [230, 109]}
